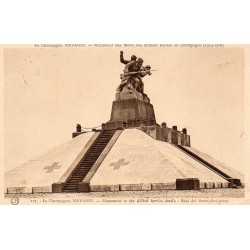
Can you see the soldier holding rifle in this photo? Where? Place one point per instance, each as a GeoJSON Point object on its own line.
{"type": "Point", "coordinates": [133, 73]}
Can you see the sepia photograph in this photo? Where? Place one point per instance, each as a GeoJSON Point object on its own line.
{"type": "Point", "coordinates": [124, 124]}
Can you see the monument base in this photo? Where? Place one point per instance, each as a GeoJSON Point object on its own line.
{"type": "Point", "coordinates": [127, 94]}
{"type": "Point", "coordinates": [188, 184]}
{"type": "Point", "coordinates": [129, 124]}
{"type": "Point", "coordinates": [131, 113]}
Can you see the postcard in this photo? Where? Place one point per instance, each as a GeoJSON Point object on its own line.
{"type": "Point", "coordinates": [142, 124]}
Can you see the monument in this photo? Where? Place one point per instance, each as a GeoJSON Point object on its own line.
{"type": "Point", "coordinates": [132, 107]}
{"type": "Point", "coordinates": [131, 151]}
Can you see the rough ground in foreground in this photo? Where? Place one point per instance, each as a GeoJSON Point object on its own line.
{"type": "Point", "coordinates": [203, 193]}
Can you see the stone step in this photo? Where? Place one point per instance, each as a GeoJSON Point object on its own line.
{"type": "Point", "coordinates": [91, 158]}
{"type": "Point", "coordinates": [70, 191]}
{"type": "Point", "coordinates": [72, 184]}
{"type": "Point", "coordinates": [75, 176]}
{"type": "Point", "coordinates": [83, 164]}
{"type": "Point", "coordinates": [74, 181]}
{"type": "Point", "coordinates": [102, 142]}
{"type": "Point", "coordinates": [103, 139]}
{"type": "Point", "coordinates": [78, 175]}
{"type": "Point", "coordinates": [94, 153]}
{"type": "Point", "coordinates": [88, 161]}
{"type": "Point", "coordinates": [72, 188]}
{"type": "Point", "coordinates": [100, 147]}
{"type": "Point", "coordinates": [97, 149]}
{"type": "Point", "coordinates": [82, 169]}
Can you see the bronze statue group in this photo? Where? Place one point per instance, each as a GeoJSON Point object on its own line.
{"type": "Point", "coordinates": [133, 73]}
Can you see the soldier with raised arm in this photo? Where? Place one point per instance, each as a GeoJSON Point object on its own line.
{"type": "Point", "coordinates": [122, 60]}
{"type": "Point", "coordinates": [132, 74]}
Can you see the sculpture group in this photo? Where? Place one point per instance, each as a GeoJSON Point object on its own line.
{"type": "Point", "coordinates": [133, 73]}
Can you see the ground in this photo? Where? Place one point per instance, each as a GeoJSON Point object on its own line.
{"type": "Point", "coordinates": [214, 196]}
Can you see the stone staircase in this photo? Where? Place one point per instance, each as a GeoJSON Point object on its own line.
{"type": "Point", "coordinates": [233, 181]}
{"type": "Point", "coordinates": [88, 161]}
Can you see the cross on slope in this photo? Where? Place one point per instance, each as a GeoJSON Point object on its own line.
{"type": "Point", "coordinates": [52, 167]}
{"type": "Point", "coordinates": [119, 163]}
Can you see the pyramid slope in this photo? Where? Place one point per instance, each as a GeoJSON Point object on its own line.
{"type": "Point", "coordinates": [220, 165]}
{"type": "Point", "coordinates": [33, 173]}
{"type": "Point", "coordinates": [146, 160]}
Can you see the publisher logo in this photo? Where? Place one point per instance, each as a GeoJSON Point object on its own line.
{"type": "Point", "coordinates": [14, 200]}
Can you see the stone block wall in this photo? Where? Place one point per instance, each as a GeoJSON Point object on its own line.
{"type": "Point", "coordinates": [163, 133]}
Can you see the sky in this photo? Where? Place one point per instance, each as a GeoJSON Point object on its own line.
{"type": "Point", "coordinates": [47, 91]}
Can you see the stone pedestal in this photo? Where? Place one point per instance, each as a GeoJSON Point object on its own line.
{"type": "Point", "coordinates": [133, 108]}
{"type": "Point", "coordinates": [83, 187]}
{"type": "Point", "coordinates": [234, 182]}
{"type": "Point", "coordinates": [188, 184]}
{"type": "Point", "coordinates": [57, 187]}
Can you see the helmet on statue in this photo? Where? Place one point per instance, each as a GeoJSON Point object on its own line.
{"type": "Point", "coordinates": [139, 60]}
{"type": "Point", "coordinates": [133, 58]}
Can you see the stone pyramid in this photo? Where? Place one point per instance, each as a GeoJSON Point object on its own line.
{"type": "Point", "coordinates": [130, 152]}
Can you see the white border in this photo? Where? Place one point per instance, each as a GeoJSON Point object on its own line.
{"type": "Point", "coordinates": [119, 227]}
